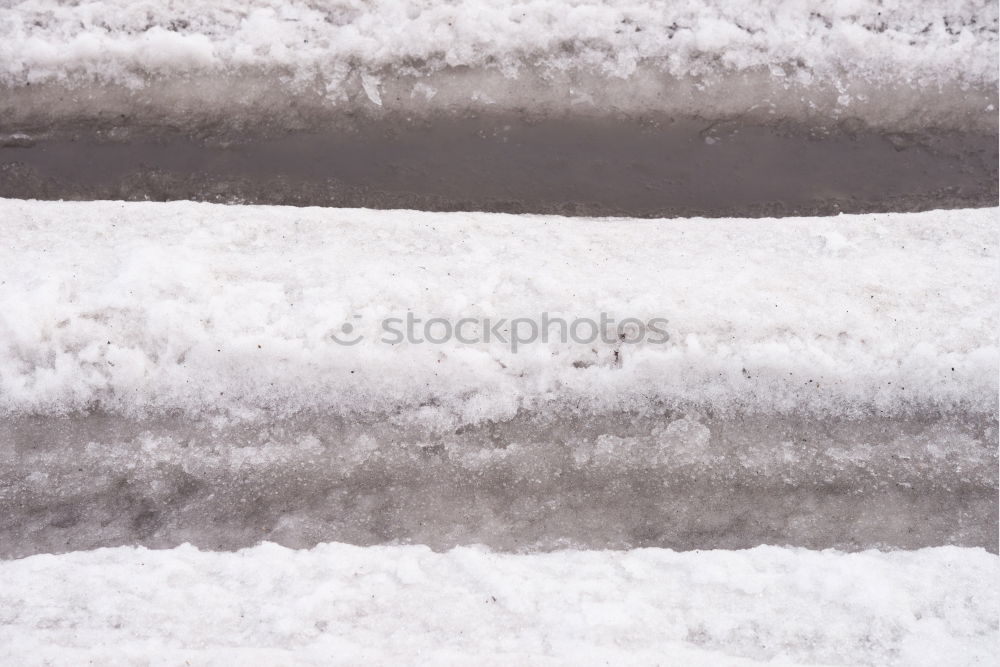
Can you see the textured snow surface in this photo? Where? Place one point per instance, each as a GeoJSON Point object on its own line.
{"type": "Point", "coordinates": [338, 604]}
{"type": "Point", "coordinates": [140, 308]}
{"type": "Point", "coordinates": [122, 41]}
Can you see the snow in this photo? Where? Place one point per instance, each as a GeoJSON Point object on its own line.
{"type": "Point", "coordinates": [894, 65]}
{"type": "Point", "coordinates": [339, 604]}
{"type": "Point", "coordinates": [169, 373]}
{"type": "Point", "coordinates": [184, 308]}
{"type": "Point", "coordinates": [122, 40]}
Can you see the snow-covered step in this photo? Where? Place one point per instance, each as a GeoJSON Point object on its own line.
{"type": "Point", "coordinates": [338, 604]}
{"type": "Point", "coordinates": [224, 374]}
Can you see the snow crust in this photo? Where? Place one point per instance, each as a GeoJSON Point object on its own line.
{"type": "Point", "coordinates": [339, 604]}
{"type": "Point", "coordinates": [149, 308]}
{"type": "Point", "coordinates": [922, 41]}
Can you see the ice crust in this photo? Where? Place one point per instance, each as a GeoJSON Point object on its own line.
{"type": "Point", "coordinates": [145, 309]}
{"type": "Point", "coordinates": [338, 604]}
